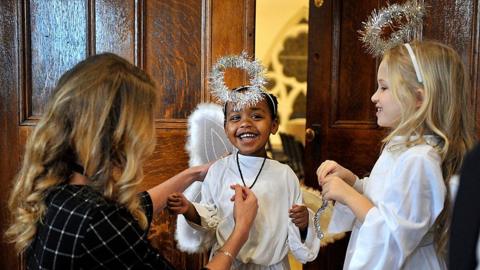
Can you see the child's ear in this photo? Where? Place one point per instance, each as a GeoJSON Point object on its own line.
{"type": "Point", "coordinates": [419, 93]}
{"type": "Point", "coordinates": [274, 128]}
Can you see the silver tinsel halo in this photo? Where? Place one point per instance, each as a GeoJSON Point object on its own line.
{"type": "Point", "coordinates": [255, 71]}
{"type": "Point", "coordinates": [402, 20]}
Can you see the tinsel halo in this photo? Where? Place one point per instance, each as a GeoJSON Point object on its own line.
{"type": "Point", "coordinates": [390, 26]}
{"type": "Point", "coordinates": [255, 71]}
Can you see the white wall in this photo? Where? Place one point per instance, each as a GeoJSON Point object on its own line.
{"type": "Point", "coordinates": [275, 20]}
{"type": "Point", "coordinates": [271, 18]}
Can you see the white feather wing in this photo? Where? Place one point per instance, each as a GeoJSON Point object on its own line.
{"type": "Point", "coordinates": [206, 142]}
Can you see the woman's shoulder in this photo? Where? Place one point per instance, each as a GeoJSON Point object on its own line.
{"type": "Point", "coordinates": [82, 193]}
{"type": "Point", "coordinates": [78, 199]}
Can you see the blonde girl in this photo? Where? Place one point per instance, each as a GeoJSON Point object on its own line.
{"type": "Point", "coordinates": [75, 201]}
{"type": "Point", "coordinates": [399, 214]}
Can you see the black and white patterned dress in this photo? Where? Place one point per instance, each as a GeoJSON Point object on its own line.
{"type": "Point", "coordinates": [83, 230]}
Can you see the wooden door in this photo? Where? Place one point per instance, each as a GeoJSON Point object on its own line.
{"type": "Point", "coordinates": [342, 78]}
{"type": "Point", "coordinates": [175, 41]}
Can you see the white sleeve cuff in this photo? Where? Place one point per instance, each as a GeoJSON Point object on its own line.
{"type": "Point", "coordinates": [358, 185]}
{"type": "Point", "coordinates": [208, 216]}
{"type": "Point", "coordinates": [308, 250]}
{"type": "Point", "coordinates": [342, 219]}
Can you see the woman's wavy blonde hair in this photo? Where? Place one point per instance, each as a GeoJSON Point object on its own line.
{"type": "Point", "coordinates": [445, 111]}
{"type": "Point", "coordinates": [101, 117]}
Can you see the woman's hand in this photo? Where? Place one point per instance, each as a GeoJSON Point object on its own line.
{"type": "Point", "coordinates": [178, 183]}
{"type": "Point", "coordinates": [330, 167]}
{"type": "Point", "coordinates": [244, 212]}
{"type": "Point", "coordinates": [245, 207]}
{"type": "Point", "coordinates": [201, 170]}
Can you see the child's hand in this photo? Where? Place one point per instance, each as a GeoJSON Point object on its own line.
{"type": "Point", "coordinates": [299, 216]}
{"type": "Point", "coordinates": [334, 188]}
{"type": "Point", "coordinates": [330, 167]}
{"type": "Point", "coordinates": [177, 203]}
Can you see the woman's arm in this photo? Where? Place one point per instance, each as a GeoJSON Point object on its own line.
{"type": "Point", "coordinates": [177, 183]}
{"type": "Point", "coordinates": [245, 210]}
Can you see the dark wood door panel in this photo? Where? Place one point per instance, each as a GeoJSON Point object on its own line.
{"type": "Point", "coordinates": [54, 38]}
{"type": "Point", "coordinates": [173, 55]}
{"type": "Point", "coordinates": [116, 28]}
{"type": "Point", "coordinates": [456, 23]}
{"type": "Point", "coordinates": [9, 119]}
{"type": "Point", "coordinates": [341, 80]}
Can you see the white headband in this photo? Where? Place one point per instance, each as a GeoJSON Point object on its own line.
{"type": "Point", "coordinates": [273, 104]}
{"type": "Point", "coordinates": [414, 62]}
{"type": "Point", "coordinates": [249, 87]}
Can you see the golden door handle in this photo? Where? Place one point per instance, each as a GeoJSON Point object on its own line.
{"type": "Point", "coordinates": [309, 135]}
{"type": "Point", "coordinates": [318, 3]}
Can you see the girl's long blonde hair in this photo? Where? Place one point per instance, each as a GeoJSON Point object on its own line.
{"type": "Point", "coordinates": [101, 117]}
{"type": "Point", "coordinates": [445, 111]}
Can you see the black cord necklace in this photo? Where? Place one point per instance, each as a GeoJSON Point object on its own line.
{"type": "Point", "coordinates": [241, 175]}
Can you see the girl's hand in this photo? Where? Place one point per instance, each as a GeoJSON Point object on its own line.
{"type": "Point", "coordinates": [330, 167]}
{"type": "Point", "coordinates": [334, 188]}
{"type": "Point", "coordinates": [177, 203]}
{"type": "Point", "coordinates": [299, 216]}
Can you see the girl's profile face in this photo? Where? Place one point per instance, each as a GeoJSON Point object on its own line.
{"type": "Point", "coordinates": [388, 108]}
{"type": "Point", "coordinates": [249, 129]}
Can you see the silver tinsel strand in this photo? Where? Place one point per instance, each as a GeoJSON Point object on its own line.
{"type": "Point", "coordinates": [255, 71]}
{"type": "Point", "coordinates": [406, 18]}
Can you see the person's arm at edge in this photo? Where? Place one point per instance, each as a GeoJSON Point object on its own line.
{"type": "Point", "coordinates": [245, 210]}
{"type": "Point", "coordinates": [177, 183]}
{"type": "Point", "coordinates": [231, 247]}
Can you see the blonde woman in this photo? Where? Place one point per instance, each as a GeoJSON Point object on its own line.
{"type": "Point", "coordinates": [75, 204]}
{"type": "Point", "coordinates": [398, 215]}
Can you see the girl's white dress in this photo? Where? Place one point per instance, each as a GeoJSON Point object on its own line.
{"type": "Point", "coordinates": [407, 189]}
{"type": "Point", "coordinates": [272, 235]}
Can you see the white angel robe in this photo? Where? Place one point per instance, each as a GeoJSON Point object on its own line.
{"type": "Point", "coordinates": [407, 190]}
{"type": "Point", "coordinates": [272, 233]}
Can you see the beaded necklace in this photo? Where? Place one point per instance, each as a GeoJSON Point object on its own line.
{"type": "Point", "coordinates": [241, 175]}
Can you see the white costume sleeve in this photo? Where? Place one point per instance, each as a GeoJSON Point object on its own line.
{"type": "Point", "coordinates": [342, 217]}
{"type": "Point", "coordinates": [305, 251]}
{"type": "Point", "coordinates": [359, 183]}
{"type": "Point", "coordinates": [403, 213]}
